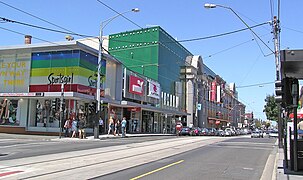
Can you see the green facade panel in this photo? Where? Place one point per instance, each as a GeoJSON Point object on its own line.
{"type": "Point", "coordinates": [151, 52]}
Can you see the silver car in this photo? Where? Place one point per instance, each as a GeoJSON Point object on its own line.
{"type": "Point", "coordinates": [257, 134]}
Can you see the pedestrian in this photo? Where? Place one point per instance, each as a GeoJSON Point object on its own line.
{"type": "Point", "coordinates": [110, 125]}
{"type": "Point", "coordinates": [123, 126]}
{"type": "Point", "coordinates": [178, 128]}
{"type": "Point", "coordinates": [117, 127]}
{"type": "Point", "coordinates": [74, 127]}
{"type": "Point", "coordinates": [101, 122]}
{"type": "Point", "coordinates": [81, 126]}
{"type": "Point", "coordinates": [68, 127]}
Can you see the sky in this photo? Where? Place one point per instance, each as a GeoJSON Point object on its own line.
{"type": "Point", "coordinates": [239, 58]}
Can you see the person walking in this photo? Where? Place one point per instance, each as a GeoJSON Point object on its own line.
{"type": "Point", "coordinates": [74, 127]}
{"type": "Point", "coordinates": [81, 129]}
{"type": "Point", "coordinates": [101, 122]}
{"type": "Point", "coordinates": [123, 126]}
{"type": "Point", "coordinates": [110, 125]}
{"type": "Point", "coordinates": [178, 128]}
{"type": "Point", "coordinates": [117, 127]}
{"type": "Point", "coordinates": [68, 127]}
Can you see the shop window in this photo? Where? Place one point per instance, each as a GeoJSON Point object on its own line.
{"type": "Point", "coordinates": [8, 112]}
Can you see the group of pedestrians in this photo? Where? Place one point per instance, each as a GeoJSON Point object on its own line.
{"type": "Point", "coordinates": [74, 127]}
{"type": "Point", "coordinates": [114, 126]}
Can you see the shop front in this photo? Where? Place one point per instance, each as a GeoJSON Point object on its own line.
{"type": "Point", "coordinates": [31, 82]}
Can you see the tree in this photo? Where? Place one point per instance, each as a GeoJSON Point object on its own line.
{"type": "Point", "coordinates": [271, 108]}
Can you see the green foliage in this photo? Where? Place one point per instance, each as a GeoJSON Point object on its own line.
{"type": "Point", "coordinates": [258, 123]}
{"type": "Point", "coordinates": [271, 108]}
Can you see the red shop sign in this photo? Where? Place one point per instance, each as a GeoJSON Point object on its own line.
{"type": "Point", "coordinates": [136, 85]}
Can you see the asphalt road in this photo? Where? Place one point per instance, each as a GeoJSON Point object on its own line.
{"type": "Point", "coordinates": [14, 147]}
{"type": "Point", "coordinates": [236, 158]}
{"type": "Point", "coordinates": [135, 158]}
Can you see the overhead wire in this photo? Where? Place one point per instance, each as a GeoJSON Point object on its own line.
{"type": "Point", "coordinates": [253, 85]}
{"type": "Point", "coordinates": [91, 36]}
{"type": "Point", "coordinates": [43, 28]}
{"type": "Point", "coordinates": [119, 14]}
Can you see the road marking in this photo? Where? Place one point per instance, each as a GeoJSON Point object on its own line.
{"type": "Point", "coordinates": [156, 170]}
{"type": "Point", "coordinates": [9, 173]}
{"type": "Point", "coordinates": [251, 169]}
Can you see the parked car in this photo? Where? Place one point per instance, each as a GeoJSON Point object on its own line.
{"type": "Point", "coordinates": [185, 131]}
{"type": "Point", "coordinates": [273, 133]}
{"type": "Point", "coordinates": [229, 132]}
{"type": "Point", "coordinates": [257, 134]}
{"type": "Point", "coordinates": [196, 131]}
{"type": "Point", "coordinates": [211, 131]}
{"type": "Point", "coordinates": [204, 132]}
{"type": "Point", "coordinates": [221, 132]}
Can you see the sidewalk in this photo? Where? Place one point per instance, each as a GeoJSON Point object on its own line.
{"type": "Point", "coordinates": [282, 173]}
{"type": "Point", "coordinates": [111, 136]}
{"type": "Point", "coordinates": [57, 138]}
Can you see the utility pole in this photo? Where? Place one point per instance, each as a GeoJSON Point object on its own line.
{"type": "Point", "coordinates": [276, 31]}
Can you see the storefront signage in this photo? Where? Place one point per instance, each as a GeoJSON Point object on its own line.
{"type": "Point", "coordinates": [136, 85]}
{"type": "Point", "coordinates": [154, 89]}
{"type": "Point", "coordinates": [134, 109]}
{"type": "Point", "coordinates": [60, 78]}
{"type": "Point", "coordinates": [21, 94]}
{"type": "Point", "coordinates": [92, 81]}
{"type": "Point", "coordinates": [14, 72]}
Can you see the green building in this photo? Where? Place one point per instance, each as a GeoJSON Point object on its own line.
{"type": "Point", "coordinates": [151, 52]}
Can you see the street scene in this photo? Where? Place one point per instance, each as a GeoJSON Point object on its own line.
{"type": "Point", "coordinates": [104, 89]}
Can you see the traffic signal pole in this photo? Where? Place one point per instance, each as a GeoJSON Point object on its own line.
{"type": "Point", "coordinates": [61, 109]}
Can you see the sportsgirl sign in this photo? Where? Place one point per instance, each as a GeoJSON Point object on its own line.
{"type": "Point", "coordinates": [136, 85]}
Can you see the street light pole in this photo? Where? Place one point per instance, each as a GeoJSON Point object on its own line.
{"type": "Point", "coordinates": [98, 94]}
{"type": "Point", "coordinates": [210, 6]}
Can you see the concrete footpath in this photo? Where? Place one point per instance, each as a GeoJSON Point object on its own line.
{"type": "Point", "coordinates": [282, 172]}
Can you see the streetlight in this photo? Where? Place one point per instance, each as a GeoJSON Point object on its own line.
{"type": "Point", "coordinates": [102, 26]}
{"type": "Point", "coordinates": [211, 6]}
{"type": "Point", "coordinates": [230, 111]}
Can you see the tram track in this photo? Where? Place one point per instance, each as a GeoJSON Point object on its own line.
{"type": "Point", "coordinates": [140, 150]}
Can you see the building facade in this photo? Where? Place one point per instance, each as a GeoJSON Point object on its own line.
{"type": "Point", "coordinates": [154, 54]}
{"type": "Point", "coordinates": [201, 93]}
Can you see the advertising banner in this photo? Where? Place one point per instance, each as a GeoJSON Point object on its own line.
{"type": "Point", "coordinates": [213, 91]}
{"type": "Point", "coordinates": [136, 85]}
{"type": "Point", "coordinates": [15, 72]}
{"type": "Point", "coordinates": [154, 89]}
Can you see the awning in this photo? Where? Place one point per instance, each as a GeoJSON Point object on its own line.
{"type": "Point", "coordinates": [128, 104]}
{"type": "Point", "coordinates": [299, 115]}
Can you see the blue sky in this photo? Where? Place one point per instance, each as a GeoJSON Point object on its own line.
{"type": "Point", "coordinates": [236, 57]}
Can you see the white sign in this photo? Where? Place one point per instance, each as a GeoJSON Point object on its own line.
{"type": "Point", "coordinates": [154, 89]}
{"type": "Point", "coordinates": [199, 107]}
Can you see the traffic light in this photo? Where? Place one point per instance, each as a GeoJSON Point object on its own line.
{"type": "Point", "coordinates": [285, 89]}
{"type": "Point", "coordinates": [63, 105]}
{"type": "Point", "coordinates": [279, 91]}
{"type": "Point", "coordinates": [287, 94]}
{"type": "Point", "coordinates": [54, 104]}
{"type": "Point", "coordinates": [92, 107]}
